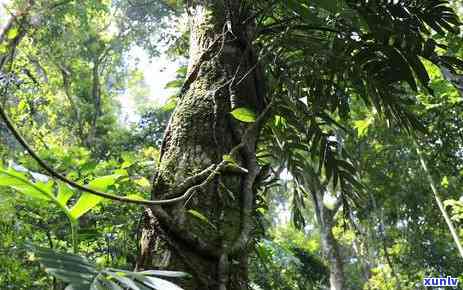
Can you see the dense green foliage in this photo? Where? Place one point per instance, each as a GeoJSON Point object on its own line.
{"type": "Point", "coordinates": [356, 87]}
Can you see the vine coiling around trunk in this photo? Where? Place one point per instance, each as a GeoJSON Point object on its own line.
{"type": "Point", "coordinates": [222, 76]}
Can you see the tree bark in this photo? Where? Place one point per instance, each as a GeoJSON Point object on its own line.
{"type": "Point", "coordinates": [330, 245]}
{"type": "Point", "coordinates": [200, 133]}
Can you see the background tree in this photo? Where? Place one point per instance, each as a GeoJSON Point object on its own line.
{"type": "Point", "coordinates": [271, 88]}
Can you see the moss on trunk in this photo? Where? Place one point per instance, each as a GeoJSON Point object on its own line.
{"type": "Point", "coordinates": [201, 131]}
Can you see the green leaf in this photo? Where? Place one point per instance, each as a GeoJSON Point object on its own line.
{"type": "Point", "coordinates": [173, 274]}
{"type": "Point", "coordinates": [64, 194]}
{"type": "Point", "coordinates": [12, 33]}
{"type": "Point", "coordinates": [419, 69]}
{"type": "Point", "coordinates": [88, 201]}
{"type": "Point", "coordinates": [362, 126]}
{"type": "Point", "coordinates": [21, 183]}
{"type": "Point", "coordinates": [401, 64]}
{"type": "Point", "coordinates": [83, 275]}
{"type": "Point", "coordinates": [129, 159]}
{"type": "Point", "coordinates": [6, 180]}
{"type": "Point", "coordinates": [244, 114]}
{"type": "Point", "coordinates": [126, 282]}
{"type": "Point", "coordinates": [143, 182]}
{"type": "Point", "coordinates": [111, 285]}
{"type": "Point", "coordinates": [201, 217]}
{"type": "Point", "coordinates": [85, 203]}
{"type": "Point", "coordinates": [70, 268]}
{"type": "Point", "coordinates": [160, 284]}
{"type": "Point", "coordinates": [170, 104]}
{"type": "Point", "coordinates": [31, 191]}
{"type": "Point", "coordinates": [174, 84]}
{"type": "Point", "coordinates": [104, 182]}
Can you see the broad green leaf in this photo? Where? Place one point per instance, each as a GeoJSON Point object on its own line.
{"type": "Point", "coordinates": [160, 284]}
{"type": "Point", "coordinates": [64, 194]}
{"type": "Point", "coordinates": [31, 191]}
{"type": "Point", "coordinates": [88, 201]}
{"type": "Point", "coordinates": [6, 180]}
{"type": "Point", "coordinates": [170, 104]}
{"type": "Point", "coordinates": [126, 282]}
{"type": "Point", "coordinates": [46, 187]}
{"type": "Point", "coordinates": [129, 159]}
{"type": "Point", "coordinates": [21, 183]}
{"type": "Point", "coordinates": [244, 115]}
{"type": "Point", "coordinates": [173, 274]}
{"type": "Point", "coordinates": [20, 176]}
{"type": "Point", "coordinates": [362, 126]}
{"type": "Point", "coordinates": [70, 268]}
{"type": "Point", "coordinates": [12, 33]}
{"type": "Point", "coordinates": [111, 285]}
{"type": "Point", "coordinates": [174, 84]}
{"type": "Point", "coordinates": [143, 182]}
{"type": "Point", "coordinates": [182, 70]}
{"type": "Point", "coordinates": [102, 183]}
{"type": "Point", "coordinates": [85, 203]}
{"type": "Point", "coordinates": [201, 217]}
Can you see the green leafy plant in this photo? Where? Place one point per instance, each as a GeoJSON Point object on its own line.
{"type": "Point", "coordinates": [80, 274]}
{"type": "Point", "coordinates": [38, 186]}
{"type": "Point", "coordinates": [244, 115]}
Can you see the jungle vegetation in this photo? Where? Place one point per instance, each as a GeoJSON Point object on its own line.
{"type": "Point", "coordinates": [307, 144]}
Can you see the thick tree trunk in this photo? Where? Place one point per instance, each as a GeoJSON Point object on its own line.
{"type": "Point", "coordinates": [200, 132]}
{"type": "Point", "coordinates": [330, 246]}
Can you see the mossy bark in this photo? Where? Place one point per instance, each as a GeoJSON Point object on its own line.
{"type": "Point", "coordinates": [330, 245]}
{"type": "Point", "coordinates": [221, 77]}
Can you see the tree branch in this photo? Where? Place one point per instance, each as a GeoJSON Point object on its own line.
{"type": "Point", "coordinates": [247, 192]}
{"type": "Point", "coordinates": [212, 170]}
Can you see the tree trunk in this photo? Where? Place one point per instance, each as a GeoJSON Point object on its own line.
{"type": "Point", "coordinates": [200, 132]}
{"type": "Point", "coordinates": [330, 246]}
{"type": "Point", "coordinates": [96, 98]}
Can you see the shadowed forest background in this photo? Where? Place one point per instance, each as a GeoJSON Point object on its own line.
{"type": "Point", "coordinates": [230, 144]}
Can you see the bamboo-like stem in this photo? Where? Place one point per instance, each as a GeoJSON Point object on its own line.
{"type": "Point", "coordinates": [74, 226]}
{"type": "Point", "coordinates": [439, 202]}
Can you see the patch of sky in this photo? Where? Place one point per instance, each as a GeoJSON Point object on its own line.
{"type": "Point", "coordinates": [157, 72]}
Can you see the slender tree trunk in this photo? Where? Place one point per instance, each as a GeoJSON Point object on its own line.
{"type": "Point", "coordinates": [361, 248]}
{"type": "Point", "coordinates": [200, 132]}
{"type": "Point", "coordinates": [96, 98]}
{"type": "Point", "coordinates": [330, 245]}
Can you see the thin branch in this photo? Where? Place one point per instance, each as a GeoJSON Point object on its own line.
{"type": "Point", "coordinates": [438, 199]}
{"type": "Point", "coordinates": [247, 194]}
{"type": "Point", "coordinates": [211, 170]}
